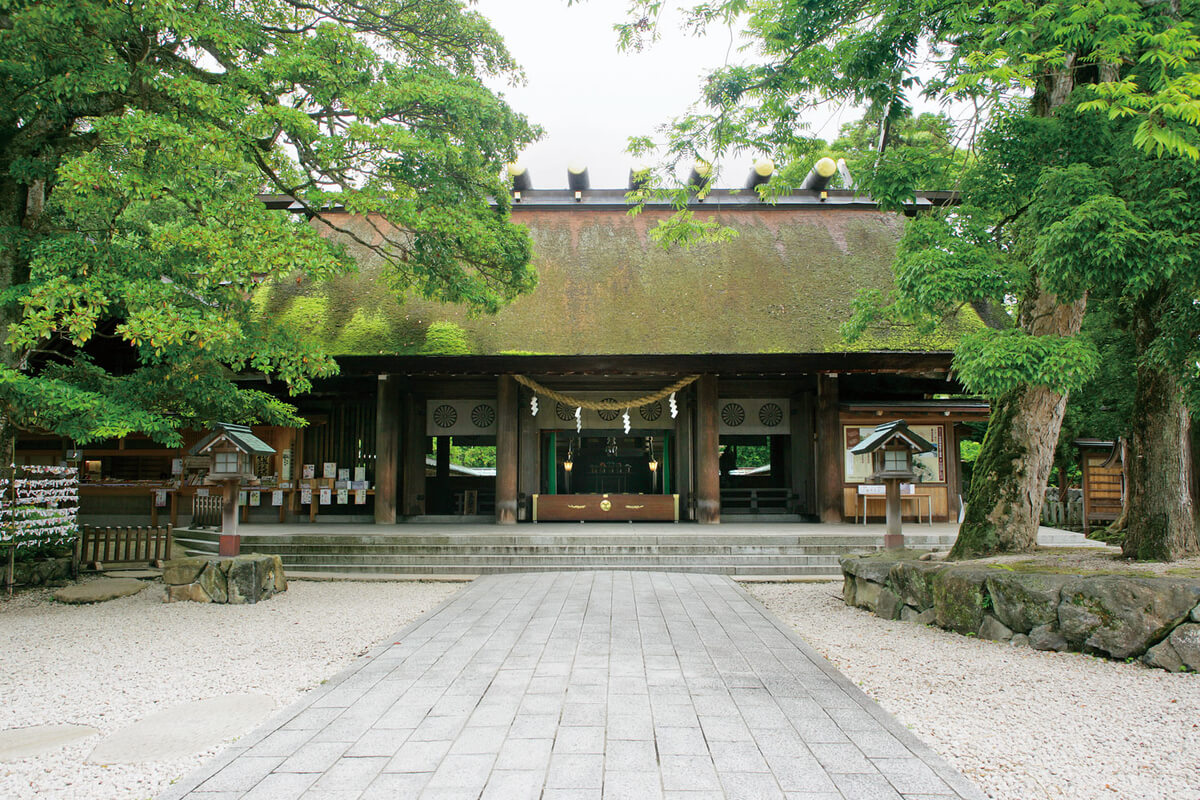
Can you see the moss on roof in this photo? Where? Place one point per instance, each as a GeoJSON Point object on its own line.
{"type": "Point", "coordinates": [784, 285]}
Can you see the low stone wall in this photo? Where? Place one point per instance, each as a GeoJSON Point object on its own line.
{"type": "Point", "coordinates": [246, 578]}
{"type": "Point", "coordinates": [1154, 619]}
{"type": "Point", "coordinates": [44, 572]}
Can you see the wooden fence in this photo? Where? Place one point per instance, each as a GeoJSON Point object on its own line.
{"type": "Point", "coordinates": [206, 511]}
{"type": "Point", "coordinates": [1066, 514]}
{"type": "Point", "coordinates": [99, 546]}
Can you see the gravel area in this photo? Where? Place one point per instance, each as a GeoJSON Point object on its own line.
{"type": "Point", "coordinates": [1020, 723]}
{"type": "Point", "coordinates": [111, 664]}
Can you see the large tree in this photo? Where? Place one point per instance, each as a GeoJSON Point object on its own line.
{"type": "Point", "coordinates": [134, 140]}
{"type": "Point", "coordinates": [1021, 64]}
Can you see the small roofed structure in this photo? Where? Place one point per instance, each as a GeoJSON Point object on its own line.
{"type": "Point", "coordinates": [233, 449]}
{"type": "Point", "coordinates": [891, 448]}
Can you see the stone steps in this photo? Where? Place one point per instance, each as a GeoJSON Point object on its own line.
{"type": "Point", "coordinates": [423, 553]}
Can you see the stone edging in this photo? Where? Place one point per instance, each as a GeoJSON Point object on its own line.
{"type": "Point", "coordinates": [1154, 619]}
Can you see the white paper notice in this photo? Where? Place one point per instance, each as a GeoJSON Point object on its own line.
{"type": "Point", "coordinates": [326, 496]}
{"type": "Point", "coordinates": [276, 498]}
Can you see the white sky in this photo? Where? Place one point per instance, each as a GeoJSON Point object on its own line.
{"type": "Point", "coordinates": [590, 98]}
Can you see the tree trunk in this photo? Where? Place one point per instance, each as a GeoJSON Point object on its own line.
{"type": "Point", "coordinates": [1159, 516]}
{"type": "Point", "coordinates": [1008, 483]}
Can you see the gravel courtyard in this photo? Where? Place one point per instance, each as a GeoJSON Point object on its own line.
{"type": "Point", "coordinates": [112, 664]}
{"type": "Point", "coordinates": [1021, 724]}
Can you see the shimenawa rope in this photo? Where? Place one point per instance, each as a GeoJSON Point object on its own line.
{"type": "Point", "coordinates": [604, 405]}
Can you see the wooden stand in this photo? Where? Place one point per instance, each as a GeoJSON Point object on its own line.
{"type": "Point", "coordinates": [893, 538]}
{"type": "Point", "coordinates": [229, 543]}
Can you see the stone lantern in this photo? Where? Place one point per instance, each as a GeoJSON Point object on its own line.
{"type": "Point", "coordinates": [891, 448]}
{"type": "Point", "coordinates": [232, 450]}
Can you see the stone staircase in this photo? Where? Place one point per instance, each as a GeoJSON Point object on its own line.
{"type": "Point", "coordinates": [424, 550]}
{"type": "Point", "coordinates": [784, 550]}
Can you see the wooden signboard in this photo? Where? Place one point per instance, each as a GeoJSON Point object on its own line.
{"type": "Point", "coordinates": [605, 507]}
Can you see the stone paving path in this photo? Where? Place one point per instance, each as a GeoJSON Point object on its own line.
{"type": "Point", "coordinates": [585, 685]}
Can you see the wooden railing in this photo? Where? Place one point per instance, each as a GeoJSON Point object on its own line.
{"type": "Point", "coordinates": [100, 546]}
{"type": "Point", "coordinates": [206, 511]}
{"type": "Point", "coordinates": [756, 501]}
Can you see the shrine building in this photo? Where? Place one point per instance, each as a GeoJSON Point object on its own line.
{"type": "Point", "coordinates": [634, 383]}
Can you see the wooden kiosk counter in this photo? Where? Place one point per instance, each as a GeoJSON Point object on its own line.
{"type": "Point", "coordinates": [605, 507]}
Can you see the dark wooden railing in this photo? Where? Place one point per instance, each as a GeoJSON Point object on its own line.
{"type": "Point", "coordinates": [756, 501]}
{"type": "Point", "coordinates": [100, 546]}
{"type": "Point", "coordinates": [206, 511]}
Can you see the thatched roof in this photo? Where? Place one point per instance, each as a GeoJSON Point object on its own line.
{"type": "Point", "coordinates": [784, 285]}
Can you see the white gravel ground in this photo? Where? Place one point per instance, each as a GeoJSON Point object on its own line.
{"type": "Point", "coordinates": [1022, 724]}
{"type": "Point", "coordinates": [111, 664]}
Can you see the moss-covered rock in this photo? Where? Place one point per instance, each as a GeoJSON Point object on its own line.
{"type": "Point", "coordinates": [913, 582]}
{"type": "Point", "coordinates": [1122, 617]}
{"type": "Point", "coordinates": [889, 605]}
{"type": "Point", "coordinates": [1025, 601]}
{"type": "Point", "coordinates": [960, 599]}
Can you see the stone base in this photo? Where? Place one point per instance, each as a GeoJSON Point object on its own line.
{"type": "Point", "coordinates": [241, 579]}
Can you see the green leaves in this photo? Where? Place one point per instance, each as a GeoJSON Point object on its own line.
{"type": "Point", "coordinates": [994, 363]}
{"type": "Point", "coordinates": [154, 127]}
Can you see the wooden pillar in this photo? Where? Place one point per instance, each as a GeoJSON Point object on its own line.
{"type": "Point", "coordinates": [413, 446]}
{"type": "Point", "coordinates": [708, 476]}
{"type": "Point", "coordinates": [528, 462]}
{"type": "Point", "coordinates": [829, 450]}
{"type": "Point", "coordinates": [802, 454]}
{"type": "Point", "coordinates": [893, 537]}
{"type": "Point", "coordinates": [506, 450]}
{"type": "Point", "coordinates": [954, 487]}
{"type": "Point", "coordinates": [387, 448]}
{"type": "Point", "coordinates": [229, 543]}
{"type": "Point", "coordinates": [683, 454]}
{"type": "Point", "coordinates": [442, 503]}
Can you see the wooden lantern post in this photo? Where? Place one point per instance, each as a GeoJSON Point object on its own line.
{"type": "Point", "coordinates": [232, 450]}
{"type": "Point", "coordinates": [892, 447]}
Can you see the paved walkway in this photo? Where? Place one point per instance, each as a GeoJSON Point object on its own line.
{"type": "Point", "coordinates": [585, 685]}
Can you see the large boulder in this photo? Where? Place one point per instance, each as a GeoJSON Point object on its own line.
{"type": "Point", "coordinates": [866, 593]}
{"type": "Point", "coordinates": [1024, 601]}
{"type": "Point", "coordinates": [1186, 641]}
{"type": "Point", "coordinates": [872, 568]}
{"type": "Point", "coordinates": [1121, 616]}
{"type": "Point", "coordinates": [913, 582]}
{"type": "Point", "coordinates": [848, 593]}
{"type": "Point", "coordinates": [245, 578]}
{"type": "Point", "coordinates": [959, 598]}
{"type": "Point", "coordinates": [888, 605]}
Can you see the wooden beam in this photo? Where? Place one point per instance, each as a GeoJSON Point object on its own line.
{"type": "Point", "coordinates": [387, 449]}
{"type": "Point", "coordinates": [506, 450]}
{"type": "Point", "coordinates": [708, 477]}
{"type": "Point", "coordinates": [413, 446]}
{"type": "Point", "coordinates": [829, 450]}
